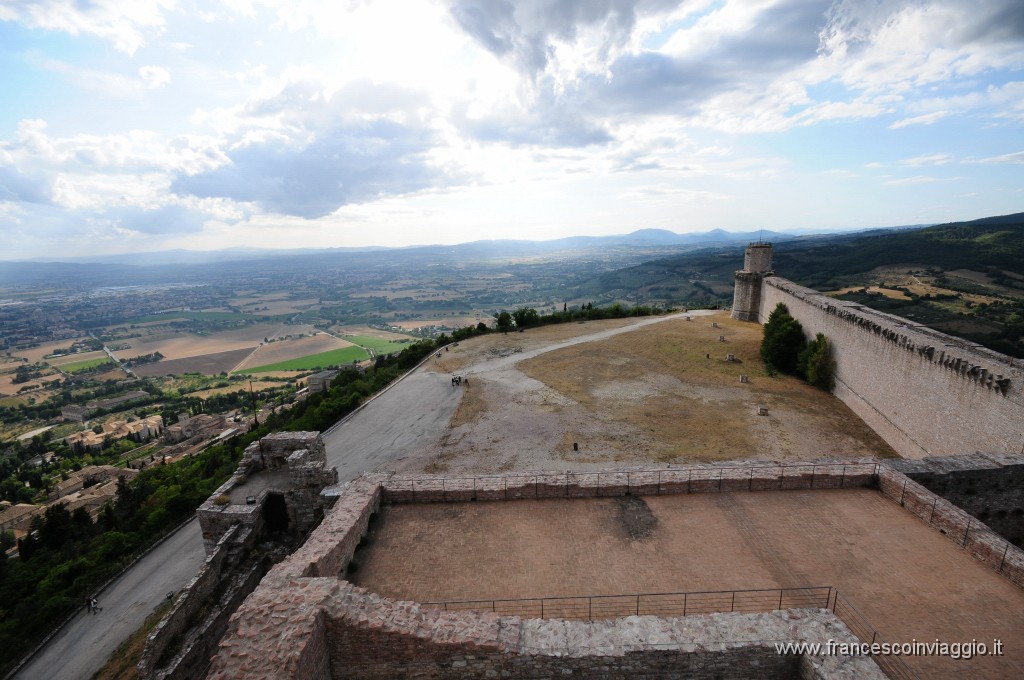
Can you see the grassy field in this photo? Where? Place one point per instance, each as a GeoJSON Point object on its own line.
{"type": "Point", "coordinates": [337, 357]}
{"type": "Point", "coordinates": [88, 364]}
{"type": "Point", "coordinates": [379, 345]}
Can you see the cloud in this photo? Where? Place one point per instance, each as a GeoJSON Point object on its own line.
{"type": "Point", "coordinates": [918, 179]}
{"type": "Point", "coordinates": [1015, 157]}
{"type": "Point", "coordinates": [168, 219]}
{"type": "Point", "coordinates": [125, 23]}
{"type": "Point", "coordinates": [531, 34]}
{"type": "Point", "coordinates": [898, 45]}
{"type": "Point", "coordinates": [925, 119]}
{"type": "Point", "coordinates": [933, 159]}
{"type": "Point", "coordinates": [346, 164]}
{"type": "Point", "coordinates": [15, 186]}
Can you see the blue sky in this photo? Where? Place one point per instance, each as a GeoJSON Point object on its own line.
{"type": "Point", "coordinates": [140, 125]}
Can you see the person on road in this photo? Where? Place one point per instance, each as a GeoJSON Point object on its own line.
{"type": "Point", "coordinates": [88, 604]}
{"type": "Point", "coordinates": [95, 606]}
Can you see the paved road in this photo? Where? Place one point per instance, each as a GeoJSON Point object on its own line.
{"type": "Point", "coordinates": [412, 413]}
{"type": "Point", "coordinates": [84, 645]}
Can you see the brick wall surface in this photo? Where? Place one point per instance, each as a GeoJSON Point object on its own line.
{"type": "Point", "coordinates": [924, 392]}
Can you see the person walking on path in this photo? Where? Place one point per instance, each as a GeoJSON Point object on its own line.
{"type": "Point", "coordinates": [95, 606]}
{"type": "Point", "coordinates": [88, 604]}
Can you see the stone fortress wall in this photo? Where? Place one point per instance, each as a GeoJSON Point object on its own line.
{"type": "Point", "coordinates": [926, 393]}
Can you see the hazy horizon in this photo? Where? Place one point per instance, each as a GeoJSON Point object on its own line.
{"type": "Point", "coordinates": [156, 125]}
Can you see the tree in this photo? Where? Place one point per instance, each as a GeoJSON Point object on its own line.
{"type": "Point", "coordinates": [783, 341]}
{"type": "Point", "coordinates": [816, 363]}
{"type": "Point", "coordinates": [526, 316]}
{"type": "Point", "coordinates": [504, 321]}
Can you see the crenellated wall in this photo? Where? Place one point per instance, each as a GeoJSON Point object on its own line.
{"type": "Point", "coordinates": [926, 393]}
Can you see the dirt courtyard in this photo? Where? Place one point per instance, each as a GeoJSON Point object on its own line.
{"type": "Point", "coordinates": [666, 391]}
{"type": "Point", "coordinates": [907, 579]}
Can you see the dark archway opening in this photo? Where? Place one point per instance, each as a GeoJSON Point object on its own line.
{"type": "Point", "coordinates": [275, 513]}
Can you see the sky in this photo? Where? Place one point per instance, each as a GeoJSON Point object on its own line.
{"type": "Point", "coordinates": [147, 125]}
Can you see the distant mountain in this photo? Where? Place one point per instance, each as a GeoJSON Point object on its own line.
{"type": "Point", "coordinates": [641, 238]}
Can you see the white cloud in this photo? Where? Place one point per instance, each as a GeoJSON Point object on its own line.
{"type": "Point", "coordinates": [125, 23]}
{"type": "Point", "coordinates": [923, 119]}
{"type": "Point", "coordinates": [154, 76]}
{"type": "Point", "coordinates": [931, 159]}
{"type": "Point", "coordinates": [1016, 157]}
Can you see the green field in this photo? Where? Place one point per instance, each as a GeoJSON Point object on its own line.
{"type": "Point", "coordinates": [379, 345]}
{"type": "Point", "coordinates": [88, 364]}
{"type": "Point", "coordinates": [335, 357]}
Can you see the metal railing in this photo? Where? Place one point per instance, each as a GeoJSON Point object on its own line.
{"type": "Point", "coordinates": [652, 482]}
{"type": "Point", "coordinates": [893, 666]}
{"type": "Point", "coordinates": [591, 607]}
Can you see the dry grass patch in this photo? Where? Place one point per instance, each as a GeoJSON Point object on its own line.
{"type": "Point", "coordinates": [472, 405]}
{"type": "Point", "coordinates": [682, 405]}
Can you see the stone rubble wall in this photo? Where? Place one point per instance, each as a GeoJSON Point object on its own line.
{"type": "Point", "coordinates": [968, 532]}
{"type": "Point", "coordinates": [216, 520]}
{"type": "Point", "coordinates": [926, 393]}
{"type": "Point", "coordinates": [191, 600]}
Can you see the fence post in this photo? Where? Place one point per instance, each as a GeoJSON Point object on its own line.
{"type": "Point", "coordinates": [658, 493]}
{"type": "Point", "coordinates": [536, 486]}
{"type": "Point", "coordinates": [934, 503]}
{"type": "Point", "coordinates": [966, 533]}
{"type": "Point", "coordinates": [493, 607]}
{"type": "Point", "coordinates": [781, 591]}
{"type": "Point", "coordinates": [444, 493]}
{"type": "Point", "coordinates": [474, 487]}
{"type": "Point", "coordinates": [590, 609]}
{"type": "Point", "coordinates": [814, 469]}
{"type": "Point", "coordinates": [750, 480]}
{"type": "Point", "coordinates": [732, 607]}
{"type": "Point", "coordinates": [782, 475]}
{"type": "Point", "coordinates": [684, 604]}
{"type": "Point", "coordinates": [627, 492]}
{"type": "Point", "coordinates": [842, 479]}
{"type": "Point", "coordinates": [598, 484]}
{"type": "Point", "coordinates": [720, 480]}
{"type": "Point", "coordinates": [414, 491]}
{"type": "Point", "coordinates": [638, 605]}
{"type": "Point", "coordinates": [506, 487]}
{"type": "Point", "coordinates": [689, 480]}
{"type": "Point", "coordinates": [904, 494]}
{"type": "Point", "coordinates": [1005, 550]}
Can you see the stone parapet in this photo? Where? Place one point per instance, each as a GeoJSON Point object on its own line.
{"type": "Point", "coordinates": [709, 478]}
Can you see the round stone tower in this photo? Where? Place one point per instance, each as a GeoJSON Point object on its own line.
{"type": "Point", "coordinates": [757, 264]}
